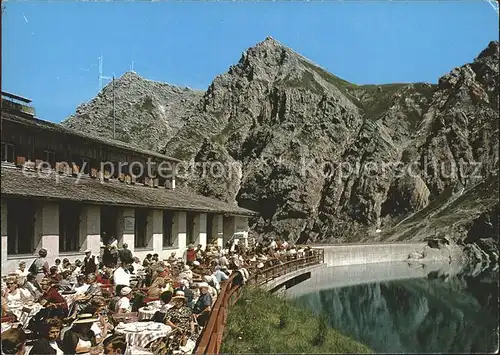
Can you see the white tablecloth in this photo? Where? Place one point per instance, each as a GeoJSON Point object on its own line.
{"type": "Point", "coordinates": [69, 298]}
{"type": "Point", "coordinates": [24, 317]}
{"type": "Point", "coordinates": [142, 333]}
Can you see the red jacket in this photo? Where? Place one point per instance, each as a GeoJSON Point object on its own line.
{"type": "Point", "coordinates": [191, 255]}
{"type": "Point", "coordinates": [53, 296]}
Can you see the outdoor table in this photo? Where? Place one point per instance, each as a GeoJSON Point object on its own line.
{"type": "Point", "coordinates": [141, 334]}
{"type": "Point", "coordinates": [24, 317]}
{"type": "Point", "coordinates": [147, 312]}
{"type": "Point", "coordinates": [69, 298]}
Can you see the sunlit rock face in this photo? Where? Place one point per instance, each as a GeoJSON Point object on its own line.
{"type": "Point", "coordinates": [442, 313]}
{"type": "Point", "coordinates": [317, 155]}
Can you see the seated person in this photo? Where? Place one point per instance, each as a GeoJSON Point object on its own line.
{"type": "Point", "coordinates": [52, 299]}
{"type": "Point", "coordinates": [165, 299]}
{"type": "Point", "coordinates": [53, 275]}
{"type": "Point", "coordinates": [203, 305]}
{"type": "Point", "coordinates": [123, 305]}
{"type": "Point", "coordinates": [156, 289]}
{"type": "Point", "coordinates": [115, 345]}
{"type": "Point", "coordinates": [180, 316]}
{"type": "Point", "coordinates": [16, 294]}
{"type": "Point", "coordinates": [14, 341]}
{"type": "Point", "coordinates": [64, 284]}
{"type": "Point", "coordinates": [80, 338]}
{"type": "Point", "coordinates": [49, 342]}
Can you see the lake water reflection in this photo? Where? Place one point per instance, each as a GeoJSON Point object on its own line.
{"type": "Point", "coordinates": [401, 309]}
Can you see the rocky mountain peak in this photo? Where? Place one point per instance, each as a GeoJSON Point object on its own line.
{"type": "Point", "coordinates": [289, 123]}
{"type": "Point", "coordinates": [491, 51]}
{"type": "Point", "coordinates": [130, 75]}
{"type": "Point", "coordinates": [148, 113]}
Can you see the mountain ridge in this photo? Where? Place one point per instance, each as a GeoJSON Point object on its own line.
{"type": "Point", "coordinates": [275, 109]}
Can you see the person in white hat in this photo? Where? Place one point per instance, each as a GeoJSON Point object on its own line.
{"type": "Point", "coordinates": [203, 305]}
{"type": "Point", "coordinates": [219, 274]}
{"type": "Point", "coordinates": [80, 338]}
{"type": "Point", "coordinates": [123, 305]}
{"type": "Point", "coordinates": [187, 271]}
{"type": "Point", "coordinates": [211, 288]}
{"type": "Point", "coordinates": [179, 316]}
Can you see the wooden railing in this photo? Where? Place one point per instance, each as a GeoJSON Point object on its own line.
{"type": "Point", "coordinates": [210, 340]}
{"type": "Point", "coordinates": [313, 257]}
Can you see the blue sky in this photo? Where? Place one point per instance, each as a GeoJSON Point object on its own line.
{"type": "Point", "coordinates": [50, 49]}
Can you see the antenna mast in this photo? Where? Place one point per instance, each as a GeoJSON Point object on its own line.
{"type": "Point", "coordinates": [101, 59]}
{"type": "Point", "coordinates": [494, 4]}
{"type": "Point", "coordinates": [100, 88]}
{"type": "Point", "coordinates": [114, 115]}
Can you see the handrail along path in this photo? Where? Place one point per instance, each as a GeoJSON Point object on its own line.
{"type": "Point", "coordinates": [210, 340]}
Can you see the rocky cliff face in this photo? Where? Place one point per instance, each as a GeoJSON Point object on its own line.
{"type": "Point", "coordinates": [322, 159]}
{"type": "Point", "coordinates": [147, 113]}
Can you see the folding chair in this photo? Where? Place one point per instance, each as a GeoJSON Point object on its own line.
{"type": "Point", "coordinates": [25, 316]}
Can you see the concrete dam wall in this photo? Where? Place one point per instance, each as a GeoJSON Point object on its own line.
{"type": "Point", "coordinates": [357, 254]}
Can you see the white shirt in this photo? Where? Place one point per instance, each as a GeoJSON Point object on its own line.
{"type": "Point", "coordinates": [74, 274]}
{"type": "Point", "coordinates": [20, 295]}
{"type": "Point", "coordinates": [215, 281]}
{"type": "Point", "coordinates": [80, 290]}
{"type": "Point", "coordinates": [121, 277]}
{"type": "Point", "coordinates": [96, 329]}
{"type": "Point", "coordinates": [123, 303]}
{"type": "Point", "coordinates": [273, 245]}
{"type": "Point", "coordinates": [54, 346]}
{"type": "Point", "coordinates": [137, 267]}
{"type": "Point", "coordinates": [21, 276]}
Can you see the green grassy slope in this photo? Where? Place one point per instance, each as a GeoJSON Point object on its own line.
{"type": "Point", "coordinates": [263, 323]}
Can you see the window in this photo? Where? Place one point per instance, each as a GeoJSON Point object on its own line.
{"type": "Point", "coordinates": [50, 157]}
{"type": "Point", "coordinates": [85, 165]}
{"type": "Point", "coordinates": [141, 223]}
{"type": "Point", "coordinates": [168, 220]}
{"type": "Point", "coordinates": [8, 152]}
{"type": "Point", "coordinates": [190, 227]}
{"type": "Point", "coordinates": [20, 227]}
{"type": "Point", "coordinates": [210, 226]}
{"type": "Point", "coordinates": [109, 218]}
{"type": "Point", "coordinates": [69, 227]}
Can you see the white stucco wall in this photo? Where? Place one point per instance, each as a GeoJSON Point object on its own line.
{"type": "Point", "coordinates": [218, 229]}
{"type": "Point", "coordinates": [126, 227]}
{"type": "Point", "coordinates": [90, 229]}
{"type": "Point", "coordinates": [50, 229]}
{"type": "Point", "coordinates": [201, 219]}
{"type": "Point", "coordinates": [4, 230]}
{"type": "Point", "coordinates": [46, 233]}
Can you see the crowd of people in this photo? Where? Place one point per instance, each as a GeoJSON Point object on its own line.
{"type": "Point", "coordinates": [78, 307]}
